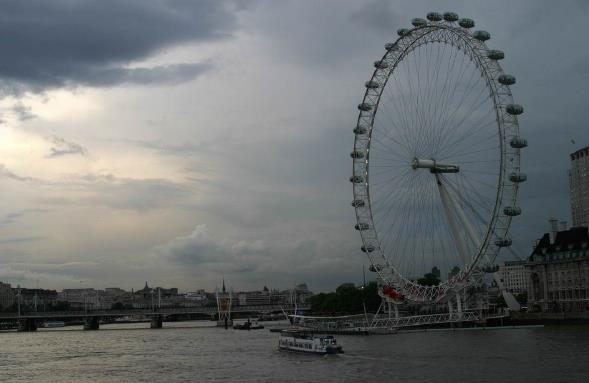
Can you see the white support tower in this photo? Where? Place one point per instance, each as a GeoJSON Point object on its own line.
{"type": "Point", "coordinates": [224, 300]}
{"type": "Point", "coordinates": [510, 300]}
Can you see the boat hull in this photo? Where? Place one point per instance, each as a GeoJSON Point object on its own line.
{"type": "Point", "coordinates": [329, 350]}
{"type": "Point", "coordinates": [304, 342]}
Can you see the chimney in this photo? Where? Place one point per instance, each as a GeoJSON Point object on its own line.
{"type": "Point", "coordinates": [563, 226]}
{"type": "Point", "coordinates": [553, 228]}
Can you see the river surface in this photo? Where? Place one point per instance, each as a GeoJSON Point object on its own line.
{"type": "Point", "coordinates": [194, 352]}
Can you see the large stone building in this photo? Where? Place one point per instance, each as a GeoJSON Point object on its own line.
{"type": "Point", "coordinates": [40, 299]}
{"type": "Point", "coordinates": [257, 298]}
{"type": "Point", "coordinates": [514, 276]}
{"type": "Point", "coordinates": [559, 272]}
{"type": "Point", "coordinates": [157, 296]}
{"type": "Point", "coordinates": [298, 295]}
{"type": "Point", "coordinates": [579, 184]}
{"type": "Point", "coordinates": [83, 298]}
{"type": "Point", "coordinates": [197, 298]}
{"type": "Point", "coordinates": [6, 296]}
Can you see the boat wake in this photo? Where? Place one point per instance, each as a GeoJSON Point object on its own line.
{"type": "Point", "coordinates": [362, 357]}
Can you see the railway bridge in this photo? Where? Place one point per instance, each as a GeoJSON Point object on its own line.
{"type": "Point", "coordinates": [29, 321]}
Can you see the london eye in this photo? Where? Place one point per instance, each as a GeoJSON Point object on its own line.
{"type": "Point", "coordinates": [436, 158]}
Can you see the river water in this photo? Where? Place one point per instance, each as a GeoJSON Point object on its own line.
{"type": "Point", "coordinates": [195, 352]}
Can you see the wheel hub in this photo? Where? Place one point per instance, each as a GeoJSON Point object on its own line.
{"type": "Point", "coordinates": [434, 166]}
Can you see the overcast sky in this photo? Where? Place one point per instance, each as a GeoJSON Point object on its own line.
{"type": "Point", "coordinates": [177, 142]}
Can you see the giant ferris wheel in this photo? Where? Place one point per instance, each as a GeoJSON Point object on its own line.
{"type": "Point", "coordinates": [436, 159]}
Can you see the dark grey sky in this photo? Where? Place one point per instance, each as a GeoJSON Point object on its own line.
{"type": "Point", "coordinates": [62, 42]}
{"type": "Point", "coordinates": [182, 141]}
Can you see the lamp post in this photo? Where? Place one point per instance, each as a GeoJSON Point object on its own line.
{"type": "Point", "coordinates": [18, 299]}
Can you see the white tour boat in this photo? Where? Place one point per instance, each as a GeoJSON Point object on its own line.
{"type": "Point", "coordinates": [304, 341]}
{"type": "Point", "coordinates": [53, 323]}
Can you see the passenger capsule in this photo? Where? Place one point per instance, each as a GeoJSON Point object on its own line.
{"type": "Point", "coordinates": [512, 211]}
{"type": "Point", "coordinates": [364, 107]}
{"type": "Point", "coordinates": [361, 226]}
{"type": "Point", "coordinates": [375, 268]}
{"type": "Point", "coordinates": [356, 154]}
{"type": "Point", "coordinates": [371, 84]}
{"type": "Point", "coordinates": [434, 16]}
{"type": "Point", "coordinates": [466, 23]}
{"type": "Point", "coordinates": [518, 177]}
{"type": "Point", "coordinates": [495, 54]}
{"type": "Point", "coordinates": [506, 79]}
{"type": "Point", "coordinates": [481, 35]}
{"type": "Point", "coordinates": [389, 46]}
{"type": "Point", "coordinates": [417, 22]}
{"type": "Point", "coordinates": [367, 249]}
{"type": "Point", "coordinates": [518, 142]}
{"type": "Point", "coordinates": [402, 32]}
{"type": "Point", "coordinates": [358, 203]}
{"type": "Point", "coordinates": [356, 179]}
{"type": "Point", "coordinates": [381, 64]}
{"type": "Point", "coordinates": [490, 269]}
{"type": "Point", "coordinates": [514, 109]}
{"type": "Point", "coordinates": [503, 242]}
{"type": "Point", "coordinates": [359, 130]}
{"type": "Point", "coordinates": [450, 16]}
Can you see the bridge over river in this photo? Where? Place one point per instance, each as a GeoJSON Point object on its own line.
{"type": "Point", "coordinates": [28, 321]}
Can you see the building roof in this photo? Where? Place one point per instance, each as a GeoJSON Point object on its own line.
{"type": "Point", "coordinates": [145, 289]}
{"type": "Point", "coordinates": [584, 152]}
{"type": "Point", "coordinates": [574, 239]}
{"type": "Point", "coordinates": [515, 263]}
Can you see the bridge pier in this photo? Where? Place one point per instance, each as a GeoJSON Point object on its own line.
{"type": "Point", "coordinates": [157, 321]}
{"type": "Point", "coordinates": [27, 324]}
{"type": "Point", "coordinates": [91, 323]}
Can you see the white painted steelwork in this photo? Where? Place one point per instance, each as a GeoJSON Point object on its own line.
{"type": "Point", "coordinates": [224, 303]}
{"type": "Point", "coordinates": [438, 100]}
{"type": "Point", "coordinates": [377, 323]}
{"type": "Point", "coordinates": [510, 300]}
{"type": "Point", "coordinates": [384, 322]}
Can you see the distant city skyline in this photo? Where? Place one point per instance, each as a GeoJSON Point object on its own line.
{"type": "Point", "coordinates": [229, 287]}
{"type": "Point", "coordinates": [212, 138]}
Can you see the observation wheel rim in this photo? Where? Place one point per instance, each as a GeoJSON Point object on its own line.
{"type": "Point", "coordinates": [476, 48]}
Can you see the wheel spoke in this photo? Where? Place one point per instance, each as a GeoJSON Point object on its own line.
{"type": "Point", "coordinates": [436, 119]}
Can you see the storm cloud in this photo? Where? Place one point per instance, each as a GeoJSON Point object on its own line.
{"type": "Point", "coordinates": [243, 173]}
{"type": "Point", "coordinates": [49, 44]}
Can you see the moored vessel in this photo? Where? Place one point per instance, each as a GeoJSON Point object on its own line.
{"type": "Point", "coordinates": [248, 325]}
{"type": "Point", "coordinates": [53, 323]}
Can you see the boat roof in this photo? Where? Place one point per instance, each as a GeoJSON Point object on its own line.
{"type": "Point", "coordinates": [304, 331]}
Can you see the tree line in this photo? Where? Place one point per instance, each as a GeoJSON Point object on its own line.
{"type": "Point", "coordinates": [347, 299]}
